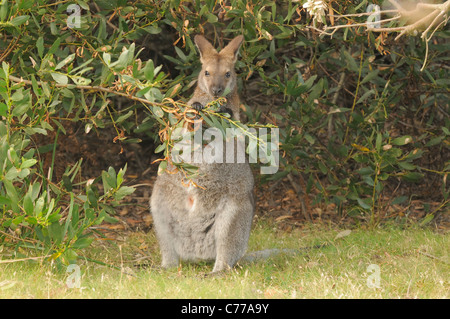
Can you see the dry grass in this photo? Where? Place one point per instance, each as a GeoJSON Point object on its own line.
{"type": "Point", "coordinates": [413, 263]}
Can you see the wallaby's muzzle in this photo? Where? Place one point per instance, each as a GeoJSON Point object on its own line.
{"type": "Point", "coordinates": [217, 91]}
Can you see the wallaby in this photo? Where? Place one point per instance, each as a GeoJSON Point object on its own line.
{"type": "Point", "coordinates": [213, 221]}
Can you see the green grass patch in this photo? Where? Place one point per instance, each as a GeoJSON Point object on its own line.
{"type": "Point", "coordinates": [406, 263]}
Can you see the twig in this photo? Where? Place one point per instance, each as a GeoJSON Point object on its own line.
{"type": "Point", "coordinates": [365, 24]}
{"type": "Point", "coordinates": [363, 14]}
{"type": "Point", "coordinates": [433, 257]}
{"type": "Point", "coordinates": [411, 27]}
{"type": "Point", "coordinates": [17, 238]}
{"type": "Point", "coordinates": [300, 193]}
{"type": "Point", "coordinates": [356, 93]}
{"type": "Point", "coordinates": [322, 31]}
{"type": "Point", "coordinates": [424, 33]}
{"type": "Point", "coordinates": [333, 102]}
{"type": "Point", "coordinates": [7, 261]}
{"type": "Point", "coordinates": [9, 49]}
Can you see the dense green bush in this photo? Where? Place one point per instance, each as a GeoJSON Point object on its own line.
{"type": "Point", "coordinates": [361, 126]}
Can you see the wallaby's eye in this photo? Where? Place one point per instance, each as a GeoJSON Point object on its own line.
{"type": "Point", "coordinates": [228, 74]}
{"type": "Point", "coordinates": [206, 73]}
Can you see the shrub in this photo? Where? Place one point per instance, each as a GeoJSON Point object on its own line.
{"type": "Point", "coordinates": [361, 126]}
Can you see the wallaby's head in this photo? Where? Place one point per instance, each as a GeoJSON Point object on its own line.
{"type": "Point", "coordinates": [217, 77]}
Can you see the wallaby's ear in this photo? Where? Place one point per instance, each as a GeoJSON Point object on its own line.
{"type": "Point", "coordinates": [232, 48]}
{"type": "Point", "coordinates": [204, 46]}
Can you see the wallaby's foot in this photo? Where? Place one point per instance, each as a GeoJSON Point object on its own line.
{"type": "Point", "coordinates": [169, 260]}
{"type": "Point", "coordinates": [166, 265]}
{"type": "Point", "coordinates": [221, 265]}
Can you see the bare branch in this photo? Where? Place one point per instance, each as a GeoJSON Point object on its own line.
{"type": "Point", "coordinates": [428, 16]}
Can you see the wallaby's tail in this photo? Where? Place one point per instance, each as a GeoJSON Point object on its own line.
{"type": "Point", "coordinates": [268, 253]}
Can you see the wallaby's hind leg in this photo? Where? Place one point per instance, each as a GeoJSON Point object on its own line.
{"type": "Point", "coordinates": [233, 227]}
{"type": "Point", "coordinates": [169, 256]}
{"type": "Point", "coordinates": [161, 217]}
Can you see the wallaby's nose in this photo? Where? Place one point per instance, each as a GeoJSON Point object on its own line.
{"type": "Point", "coordinates": [217, 90]}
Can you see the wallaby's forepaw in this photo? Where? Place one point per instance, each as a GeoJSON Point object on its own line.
{"type": "Point", "coordinates": [197, 106]}
{"type": "Point", "coordinates": [227, 110]}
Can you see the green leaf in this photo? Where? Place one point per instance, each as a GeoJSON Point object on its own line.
{"type": "Point", "coordinates": [55, 46]}
{"type": "Point", "coordinates": [19, 20]}
{"type": "Point", "coordinates": [378, 142]}
{"type": "Point", "coordinates": [120, 175]}
{"type": "Point", "coordinates": [212, 18]}
{"type": "Point", "coordinates": [40, 46]}
{"type": "Point", "coordinates": [112, 177]}
{"type": "Point", "coordinates": [445, 130]}
{"type": "Point", "coordinates": [152, 29]}
{"type": "Point", "coordinates": [351, 61]}
{"type": "Point", "coordinates": [71, 256]}
{"type": "Point", "coordinates": [363, 203]}
{"type": "Point", "coordinates": [407, 165]}
{"type": "Point", "coordinates": [427, 219]}
{"type": "Point", "coordinates": [162, 167]}
{"type": "Point", "coordinates": [365, 96]}
{"type": "Point", "coordinates": [149, 70]}
{"type": "Point", "coordinates": [60, 78]}
{"type": "Point", "coordinates": [55, 231]}
{"type": "Point", "coordinates": [92, 198]}
{"type": "Point", "coordinates": [65, 61]}
{"type": "Point", "coordinates": [399, 200]}
{"type": "Point", "coordinates": [39, 205]}
{"type": "Point", "coordinates": [28, 204]}
{"type": "Point", "coordinates": [403, 140]}
{"type": "Point", "coordinates": [123, 191]}
{"type": "Point", "coordinates": [3, 109]}
{"type": "Point", "coordinates": [434, 141]}
{"type": "Point", "coordinates": [311, 140]}
{"type": "Point", "coordinates": [107, 182]}
{"type": "Point", "coordinates": [415, 154]}
{"type": "Point", "coordinates": [28, 163]}
{"type": "Point", "coordinates": [107, 58]}
{"type": "Point", "coordinates": [122, 118]}
{"type": "Point", "coordinates": [161, 147]}
{"type": "Point", "coordinates": [67, 182]}
{"type": "Point", "coordinates": [12, 173]}
{"type": "Point", "coordinates": [24, 173]}
{"type": "Point", "coordinates": [69, 215]}
{"type": "Point", "coordinates": [125, 58]}
{"type": "Point", "coordinates": [414, 177]}
{"type": "Point", "coordinates": [157, 111]}
{"type": "Point", "coordinates": [5, 67]}
{"type": "Point", "coordinates": [3, 10]}
{"type": "Point", "coordinates": [370, 76]}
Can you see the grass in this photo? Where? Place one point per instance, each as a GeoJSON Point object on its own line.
{"type": "Point", "coordinates": [412, 263]}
